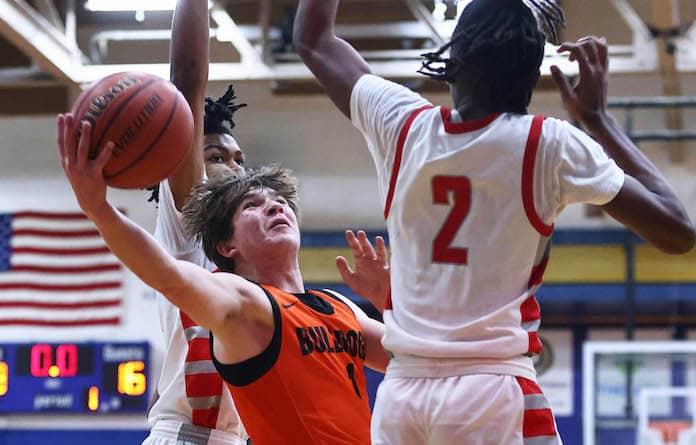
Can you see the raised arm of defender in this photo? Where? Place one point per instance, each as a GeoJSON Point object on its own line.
{"type": "Point", "coordinates": [188, 55]}
{"type": "Point", "coordinates": [646, 203]}
{"type": "Point", "coordinates": [335, 64]}
{"type": "Point", "coordinates": [224, 303]}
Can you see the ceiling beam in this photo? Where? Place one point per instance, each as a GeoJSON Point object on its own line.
{"type": "Point", "coordinates": [665, 14]}
{"type": "Point", "coordinates": [228, 31]}
{"type": "Point", "coordinates": [48, 9]}
{"type": "Point", "coordinates": [36, 37]}
{"type": "Point", "coordinates": [425, 16]}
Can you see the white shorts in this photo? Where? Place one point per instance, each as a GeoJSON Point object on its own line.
{"type": "Point", "coordinates": [166, 432]}
{"type": "Point", "coordinates": [479, 409]}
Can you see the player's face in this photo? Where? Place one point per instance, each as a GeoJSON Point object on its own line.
{"type": "Point", "coordinates": [221, 151]}
{"type": "Point", "coordinates": [265, 224]}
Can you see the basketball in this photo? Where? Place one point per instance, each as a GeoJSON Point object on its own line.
{"type": "Point", "coordinates": [147, 119]}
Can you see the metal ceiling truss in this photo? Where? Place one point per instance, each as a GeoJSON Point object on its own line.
{"type": "Point", "coordinates": [50, 44]}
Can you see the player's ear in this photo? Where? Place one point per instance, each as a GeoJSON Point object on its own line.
{"type": "Point", "coordinates": [226, 248]}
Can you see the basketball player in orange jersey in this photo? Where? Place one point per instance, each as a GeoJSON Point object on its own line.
{"type": "Point", "coordinates": [470, 197]}
{"type": "Point", "coordinates": [193, 404]}
{"type": "Point", "coordinates": [292, 358]}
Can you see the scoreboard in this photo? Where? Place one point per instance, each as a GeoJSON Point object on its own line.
{"type": "Point", "coordinates": [94, 377]}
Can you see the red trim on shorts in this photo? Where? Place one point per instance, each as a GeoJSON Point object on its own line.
{"type": "Point", "coordinates": [397, 156]}
{"type": "Point", "coordinates": [538, 422]}
{"type": "Point", "coordinates": [388, 304]}
{"type": "Point", "coordinates": [530, 309]}
{"type": "Point", "coordinates": [528, 386]}
{"type": "Point", "coordinates": [205, 417]}
{"type": "Point", "coordinates": [466, 126]}
{"type": "Point", "coordinates": [203, 385]}
{"type": "Point", "coordinates": [535, 346]}
{"type": "Point", "coordinates": [530, 153]}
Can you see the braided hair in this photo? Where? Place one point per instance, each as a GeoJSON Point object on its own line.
{"type": "Point", "coordinates": [218, 119]}
{"type": "Point", "coordinates": [219, 114]}
{"type": "Point", "coordinates": [497, 47]}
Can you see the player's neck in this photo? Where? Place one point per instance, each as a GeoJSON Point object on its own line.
{"type": "Point", "coordinates": [468, 110]}
{"type": "Point", "coordinates": [286, 276]}
{"type": "Point", "coordinates": [467, 107]}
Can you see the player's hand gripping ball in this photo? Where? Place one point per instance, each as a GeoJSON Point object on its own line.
{"type": "Point", "coordinates": [147, 119]}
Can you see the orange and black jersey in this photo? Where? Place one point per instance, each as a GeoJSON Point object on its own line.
{"type": "Point", "coordinates": [308, 386]}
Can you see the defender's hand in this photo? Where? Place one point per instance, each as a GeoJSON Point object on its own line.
{"type": "Point", "coordinates": [586, 100]}
{"type": "Point", "coordinates": [370, 278]}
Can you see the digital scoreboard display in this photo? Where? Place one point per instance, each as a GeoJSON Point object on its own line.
{"type": "Point", "coordinates": [94, 377]}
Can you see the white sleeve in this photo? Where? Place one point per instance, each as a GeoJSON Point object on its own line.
{"type": "Point", "coordinates": [379, 108]}
{"type": "Point", "coordinates": [571, 167]}
{"type": "Point", "coordinates": [169, 231]}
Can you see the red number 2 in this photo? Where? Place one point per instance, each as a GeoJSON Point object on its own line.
{"type": "Point", "coordinates": [460, 187]}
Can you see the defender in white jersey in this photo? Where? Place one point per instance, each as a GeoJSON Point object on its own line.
{"type": "Point", "coordinates": [470, 197]}
{"type": "Point", "coordinates": [193, 405]}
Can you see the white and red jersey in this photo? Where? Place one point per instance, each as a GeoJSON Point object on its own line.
{"type": "Point", "coordinates": [470, 208]}
{"type": "Point", "coordinates": [190, 389]}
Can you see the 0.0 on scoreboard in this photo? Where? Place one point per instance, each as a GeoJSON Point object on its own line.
{"type": "Point", "coordinates": [89, 377]}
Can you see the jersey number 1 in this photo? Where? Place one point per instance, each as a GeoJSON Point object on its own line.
{"type": "Point", "coordinates": [460, 187]}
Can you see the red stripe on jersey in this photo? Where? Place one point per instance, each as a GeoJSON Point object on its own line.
{"type": "Point", "coordinates": [538, 273]}
{"type": "Point", "coordinates": [388, 303]}
{"type": "Point", "coordinates": [199, 349]}
{"type": "Point", "coordinates": [397, 157]}
{"type": "Point", "coordinates": [530, 154]}
{"type": "Point", "coordinates": [535, 346]}
{"type": "Point", "coordinates": [186, 321]}
{"type": "Point", "coordinates": [466, 126]}
{"type": "Point", "coordinates": [205, 417]}
{"type": "Point", "coordinates": [538, 422]}
{"type": "Point", "coordinates": [528, 386]}
{"type": "Point", "coordinates": [530, 309]}
{"type": "Point", "coordinates": [203, 385]}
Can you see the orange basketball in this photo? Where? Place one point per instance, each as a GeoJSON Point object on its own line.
{"type": "Point", "coordinates": [147, 119]}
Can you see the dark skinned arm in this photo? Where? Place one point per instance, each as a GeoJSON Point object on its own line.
{"type": "Point", "coordinates": [646, 203]}
{"type": "Point", "coordinates": [188, 57]}
{"type": "Point", "coordinates": [336, 65]}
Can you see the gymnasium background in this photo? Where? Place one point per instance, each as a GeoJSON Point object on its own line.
{"type": "Point", "coordinates": [602, 283]}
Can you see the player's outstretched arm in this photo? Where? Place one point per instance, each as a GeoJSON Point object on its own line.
{"type": "Point", "coordinates": [336, 65]}
{"type": "Point", "coordinates": [646, 203]}
{"type": "Point", "coordinates": [370, 276]}
{"type": "Point", "coordinates": [209, 299]}
{"type": "Point", "coordinates": [188, 57]}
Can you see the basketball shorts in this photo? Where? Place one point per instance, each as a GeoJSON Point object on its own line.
{"type": "Point", "coordinates": [479, 409]}
{"type": "Point", "coordinates": [178, 433]}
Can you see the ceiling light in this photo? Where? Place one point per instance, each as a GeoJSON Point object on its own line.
{"type": "Point", "coordinates": [129, 5]}
{"type": "Point", "coordinates": [132, 5]}
{"type": "Point", "coordinates": [139, 6]}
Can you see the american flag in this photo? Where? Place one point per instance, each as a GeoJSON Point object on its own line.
{"type": "Point", "coordinates": [56, 270]}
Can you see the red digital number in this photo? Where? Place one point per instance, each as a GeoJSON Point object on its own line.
{"type": "Point", "coordinates": [66, 360]}
{"type": "Point", "coordinates": [42, 361]}
{"type": "Point", "coordinates": [460, 187]}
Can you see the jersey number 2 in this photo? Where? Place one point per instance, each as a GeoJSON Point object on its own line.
{"type": "Point", "coordinates": [460, 187]}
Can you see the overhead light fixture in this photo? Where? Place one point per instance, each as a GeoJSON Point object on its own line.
{"type": "Point", "coordinates": [140, 7]}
